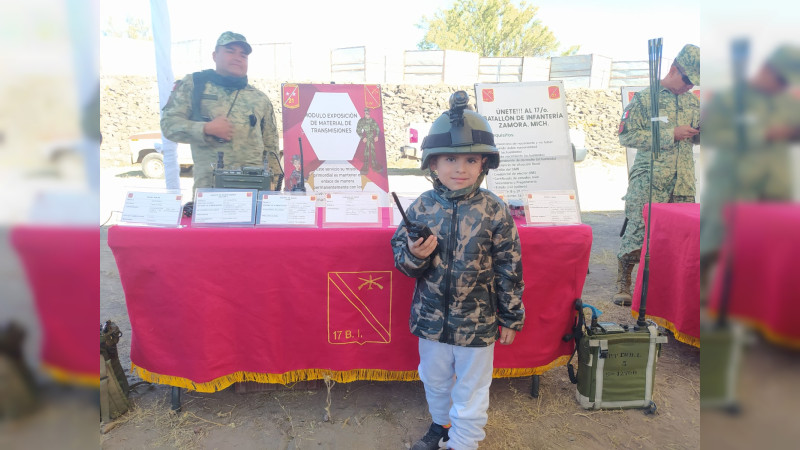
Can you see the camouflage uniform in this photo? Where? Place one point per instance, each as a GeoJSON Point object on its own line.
{"type": "Point", "coordinates": [673, 171]}
{"type": "Point", "coordinates": [673, 178]}
{"type": "Point", "coordinates": [473, 283]}
{"type": "Point", "coordinates": [758, 169]}
{"type": "Point", "coordinates": [368, 129]}
{"type": "Point", "coordinates": [253, 118]}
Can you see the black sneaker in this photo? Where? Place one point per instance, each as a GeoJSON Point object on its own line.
{"type": "Point", "coordinates": [434, 439]}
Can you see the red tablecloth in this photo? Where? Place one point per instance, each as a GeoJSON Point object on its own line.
{"type": "Point", "coordinates": [63, 270]}
{"type": "Point", "coordinates": [213, 306]}
{"type": "Point", "coordinates": [765, 284]}
{"type": "Point", "coordinates": [673, 294]}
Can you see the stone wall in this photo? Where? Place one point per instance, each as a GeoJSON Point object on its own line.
{"type": "Point", "coordinates": [129, 105]}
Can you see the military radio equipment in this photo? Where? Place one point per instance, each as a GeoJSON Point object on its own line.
{"type": "Point", "coordinates": [616, 363]}
{"type": "Point", "coordinates": [113, 383]}
{"type": "Point", "coordinates": [724, 341]}
{"type": "Point", "coordinates": [18, 394]}
{"type": "Point", "coordinates": [301, 185]}
{"type": "Point", "coordinates": [415, 230]}
{"type": "Point", "coordinates": [248, 177]}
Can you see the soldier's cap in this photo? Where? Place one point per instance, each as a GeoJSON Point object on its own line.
{"type": "Point", "coordinates": [229, 37]}
{"type": "Point", "coordinates": [366, 109]}
{"type": "Point", "coordinates": [295, 158]}
{"type": "Point", "coordinates": [785, 61]}
{"type": "Point", "coordinates": [688, 62]}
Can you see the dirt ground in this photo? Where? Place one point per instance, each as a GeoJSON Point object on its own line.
{"type": "Point", "coordinates": [392, 415]}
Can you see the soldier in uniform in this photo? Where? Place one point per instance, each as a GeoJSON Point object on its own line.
{"type": "Point", "coordinates": [368, 129]}
{"type": "Point", "coordinates": [673, 171]}
{"type": "Point", "coordinates": [758, 168]}
{"type": "Point", "coordinates": [218, 111]}
{"type": "Point", "coordinates": [469, 277]}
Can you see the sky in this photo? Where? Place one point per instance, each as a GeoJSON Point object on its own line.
{"type": "Point", "coordinates": [618, 29]}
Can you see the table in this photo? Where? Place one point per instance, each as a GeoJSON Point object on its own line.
{"type": "Point", "coordinates": [62, 265]}
{"type": "Point", "coordinates": [765, 286]}
{"type": "Point", "coordinates": [213, 306]}
{"type": "Point", "coordinates": [673, 294]}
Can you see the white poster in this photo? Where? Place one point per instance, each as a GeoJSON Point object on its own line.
{"type": "Point", "coordinates": [529, 122]}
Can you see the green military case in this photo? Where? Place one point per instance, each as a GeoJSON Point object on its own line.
{"type": "Point", "coordinates": [721, 361]}
{"type": "Point", "coordinates": [617, 366]}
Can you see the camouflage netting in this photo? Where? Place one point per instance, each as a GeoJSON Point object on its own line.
{"type": "Point", "coordinates": [129, 105]}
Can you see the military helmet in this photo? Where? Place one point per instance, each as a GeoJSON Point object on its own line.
{"type": "Point", "coordinates": [459, 130]}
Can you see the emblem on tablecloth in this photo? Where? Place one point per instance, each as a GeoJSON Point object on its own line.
{"type": "Point", "coordinates": [360, 307]}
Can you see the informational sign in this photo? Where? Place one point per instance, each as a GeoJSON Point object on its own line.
{"type": "Point", "coordinates": [630, 153]}
{"type": "Point", "coordinates": [351, 209]}
{"type": "Point", "coordinates": [552, 208]}
{"type": "Point", "coordinates": [340, 128]}
{"type": "Point", "coordinates": [287, 210]}
{"type": "Point", "coordinates": [529, 122]}
{"type": "Point", "coordinates": [224, 207]}
{"type": "Point", "coordinates": [159, 209]}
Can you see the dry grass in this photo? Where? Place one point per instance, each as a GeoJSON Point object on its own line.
{"type": "Point", "coordinates": [603, 257]}
{"type": "Point", "coordinates": [183, 430]}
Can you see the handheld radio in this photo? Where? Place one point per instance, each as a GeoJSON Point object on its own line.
{"type": "Point", "coordinates": [415, 230]}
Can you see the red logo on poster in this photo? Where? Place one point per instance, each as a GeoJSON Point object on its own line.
{"type": "Point", "coordinates": [554, 92]}
{"type": "Point", "coordinates": [630, 96]}
{"type": "Point", "coordinates": [130, 195]}
{"type": "Point", "coordinates": [488, 95]}
{"type": "Point", "coordinates": [372, 96]}
{"type": "Point", "coordinates": [291, 96]}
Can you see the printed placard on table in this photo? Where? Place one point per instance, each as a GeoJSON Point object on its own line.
{"type": "Point", "coordinates": [155, 209]}
{"type": "Point", "coordinates": [351, 209]}
{"type": "Point", "coordinates": [552, 208]}
{"type": "Point", "coordinates": [224, 207]}
{"type": "Point", "coordinates": [276, 209]}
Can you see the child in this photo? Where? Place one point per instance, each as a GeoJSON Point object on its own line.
{"type": "Point", "coordinates": [469, 277]}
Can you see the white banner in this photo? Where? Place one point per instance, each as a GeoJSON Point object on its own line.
{"type": "Point", "coordinates": [529, 122]}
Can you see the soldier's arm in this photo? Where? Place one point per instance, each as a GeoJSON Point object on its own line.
{"type": "Point", "coordinates": [269, 135]}
{"type": "Point", "coordinates": [175, 123]}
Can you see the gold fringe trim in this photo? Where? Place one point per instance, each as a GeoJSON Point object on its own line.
{"type": "Point", "coordinates": [682, 337]}
{"type": "Point", "coordinates": [294, 376]}
{"type": "Point", "coordinates": [68, 377]}
{"type": "Point", "coordinates": [524, 372]}
{"type": "Point", "coordinates": [782, 340]}
{"type": "Point", "coordinates": [287, 378]}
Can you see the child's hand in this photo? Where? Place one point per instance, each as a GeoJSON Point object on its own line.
{"type": "Point", "coordinates": [507, 335]}
{"type": "Point", "coordinates": [422, 249]}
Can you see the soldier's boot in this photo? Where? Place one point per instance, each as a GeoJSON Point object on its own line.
{"type": "Point", "coordinates": [623, 296]}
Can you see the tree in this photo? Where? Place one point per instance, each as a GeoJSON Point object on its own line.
{"type": "Point", "coordinates": [489, 28]}
{"type": "Point", "coordinates": [133, 28]}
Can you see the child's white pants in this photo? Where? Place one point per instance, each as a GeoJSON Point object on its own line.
{"type": "Point", "coordinates": [457, 381]}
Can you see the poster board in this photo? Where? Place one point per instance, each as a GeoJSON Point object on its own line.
{"type": "Point", "coordinates": [343, 149]}
{"type": "Point", "coordinates": [529, 122]}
